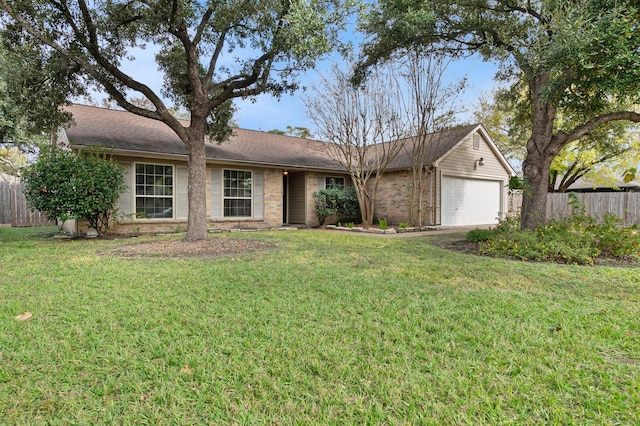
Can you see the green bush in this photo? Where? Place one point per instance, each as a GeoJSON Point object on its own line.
{"type": "Point", "coordinates": [326, 203]}
{"type": "Point", "coordinates": [70, 185]}
{"type": "Point", "coordinates": [341, 202]}
{"type": "Point", "coordinates": [578, 238]}
{"type": "Point", "coordinates": [477, 235]}
{"type": "Point", "coordinates": [348, 206]}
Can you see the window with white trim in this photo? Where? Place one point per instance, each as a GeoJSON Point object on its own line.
{"type": "Point", "coordinates": [237, 193]}
{"type": "Point", "coordinates": [154, 191]}
{"type": "Point", "coordinates": [333, 182]}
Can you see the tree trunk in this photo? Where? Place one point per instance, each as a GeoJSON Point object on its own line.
{"type": "Point", "coordinates": [541, 150]}
{"type": "Point", "coordinates": [197, 166]}
{"type": "Point", "coordinates": [367, 212]}
{"type": "Point", "coordinates": [416, 196]}
{"type": "Point", "coordinates": [364, 202]}
{"type": "Point", "coordinates": [534, 201]}
{"type": "Point", "coordinates": [411, 202]}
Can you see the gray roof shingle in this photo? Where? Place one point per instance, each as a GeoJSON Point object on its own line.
{"type": "Point", "coordinates": [437, 145]}
{"type": "Point", "coordinates": [125, 131]}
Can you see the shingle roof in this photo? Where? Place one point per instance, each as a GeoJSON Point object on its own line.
{"type": "Point", "coordinates": [125, 131]}
{"type": "Point", "coordinates": [437, 145]}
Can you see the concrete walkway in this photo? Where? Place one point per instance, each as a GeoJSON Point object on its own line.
{"type": "Point", "coordinates": [440, 231]}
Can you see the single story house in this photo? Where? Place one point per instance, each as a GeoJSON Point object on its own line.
{"type": "Point", "coordinates": [263, 180]}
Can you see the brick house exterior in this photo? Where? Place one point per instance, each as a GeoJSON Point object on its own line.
{"type": "Point", "coordinates": [256, 180]}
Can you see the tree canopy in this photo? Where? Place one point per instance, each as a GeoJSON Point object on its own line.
{"type": "Point", "coordinates": [209, 53]}
{"type": "Point", "coordinates": [18, 141]}
{"type": "Point", "coordinates": [606, 155]}
{"type": "Point", "coordinates": [579, 59]}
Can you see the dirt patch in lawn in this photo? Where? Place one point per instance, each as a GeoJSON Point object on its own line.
{"type": "Point", "coordinates": [459, 245]}
{"type": "Point", "coordinates": [211, 247]}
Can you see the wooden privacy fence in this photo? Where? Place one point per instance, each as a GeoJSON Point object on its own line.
{"type": "Point", "coordinates": [14, 209]}
{"type": "Point", "coordinates": [624, 205]}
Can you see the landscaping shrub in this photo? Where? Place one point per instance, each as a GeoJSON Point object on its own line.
{"type": "Point", "coordinates": [348, 206]}
{"type": "Point", "coordinates": [341, 202]}
{"type": "Point", "coordinates": [477, 235]}
{"type": "Point", "coordinates": [326, 203]}
{"type": "Point", "coordinates": [578, 238]}
{"type": "Point", "coordinates": [70, 185]}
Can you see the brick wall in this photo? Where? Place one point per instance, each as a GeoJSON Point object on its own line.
{"type": "Point", "coordinates": [273, 197]}
{"type": "Point", "coordinates": [312, 186]}
{"type": "Point", "coordinates": [392, 203]}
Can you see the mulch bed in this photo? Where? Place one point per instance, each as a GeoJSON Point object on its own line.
{"type": "Point", "coordinates": [217, 247]}
{"type": "Point", "coordinates": [211, 247]}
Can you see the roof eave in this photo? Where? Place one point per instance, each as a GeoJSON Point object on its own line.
{"type": "Point", "coordinates": [210, 160]}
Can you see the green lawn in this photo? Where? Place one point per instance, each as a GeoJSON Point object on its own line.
{"type": "Point", "coordinates": [324, 329]}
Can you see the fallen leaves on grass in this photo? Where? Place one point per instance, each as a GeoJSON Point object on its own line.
{"type": "Point", "coordinates": [25, 316]}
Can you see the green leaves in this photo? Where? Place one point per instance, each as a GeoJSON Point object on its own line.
{"type": "Point", "coordinates": [594, 57]}
{"type": "Point", "coordinates": [67, 185]}
{"type": "Point", "coordinates": [211, 53]}
{"type": "Point", "coordinates": [342, 202]}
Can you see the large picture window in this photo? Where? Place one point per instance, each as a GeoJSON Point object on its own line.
{"type": "Point", "coordinates": [154, 191]}
{"type": "Point", "coordinates": [238, 186]}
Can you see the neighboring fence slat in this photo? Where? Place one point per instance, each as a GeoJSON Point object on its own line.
{"type": "Point", "coordinates": [5, 203]}
{"type": "Point", "coordinates": [633, 210]}
{"type": "Point", "coordinates": [14, 209]}
{"type": "Point", "coordinates": [624, 205]}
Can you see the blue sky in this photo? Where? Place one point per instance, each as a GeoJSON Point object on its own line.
{"type": "Point", "coordinates": [268, 113]}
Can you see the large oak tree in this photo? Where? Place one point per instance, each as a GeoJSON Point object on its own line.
{"type": "Point", "coordinates": [578, 58]}
{"type": "Point", "coordinates": [605, 156]}
{"type": "Point", "coordinates": [210, 52]}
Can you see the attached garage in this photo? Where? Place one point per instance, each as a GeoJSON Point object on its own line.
{"type": "Point", "coordinates": [470, 201]}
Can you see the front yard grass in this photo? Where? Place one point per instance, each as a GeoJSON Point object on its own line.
{"type": "Point", "coordinates": [323, 329]}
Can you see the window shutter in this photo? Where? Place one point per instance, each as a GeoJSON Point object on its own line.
{"type": "Point", "coordinates": [322, 182]}
{"type": "Point", "coordinates": [216, 193]}
{"type": "Point", "coordinates": [258, 194]}
{"type": "Point", "coordinates": [125, 201]}
{"type": "Point", "coordinates": [182, 193]}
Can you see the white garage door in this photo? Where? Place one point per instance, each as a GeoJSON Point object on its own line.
{"type": "Point", "coordinates": [470, 201]}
